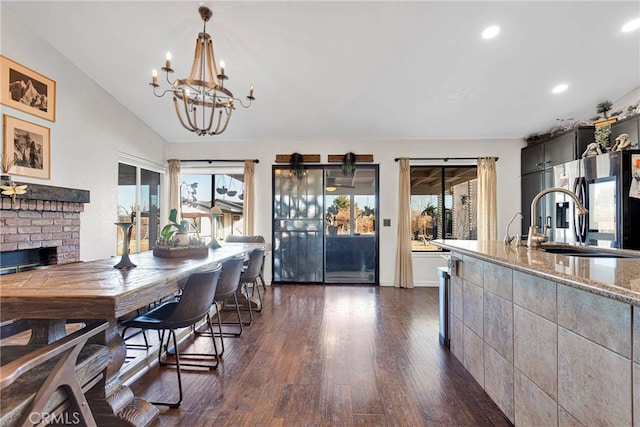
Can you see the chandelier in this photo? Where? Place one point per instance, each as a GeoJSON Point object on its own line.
{"type": "Point", "coordinates": [203, 105]}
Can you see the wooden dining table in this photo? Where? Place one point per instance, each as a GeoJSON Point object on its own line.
{"type": "Point", "coordinates": [92, 290]}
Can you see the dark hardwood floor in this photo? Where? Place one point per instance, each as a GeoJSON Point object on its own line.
{"type": "Point", "coordinates": [331, 356]}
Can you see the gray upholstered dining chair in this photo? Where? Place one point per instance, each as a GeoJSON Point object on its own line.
{"type": "Point", "coordinates": [250, 276]}
{"type": "Point", "coordinates": [231, 238]}
{"type": "Point", "coordinates": [226, 290]}
{"type": "Point", "coordinates": [192, 306]}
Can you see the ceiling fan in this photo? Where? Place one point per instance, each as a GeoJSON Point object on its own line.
{"type": "Point", "coordinates": [332, 185]}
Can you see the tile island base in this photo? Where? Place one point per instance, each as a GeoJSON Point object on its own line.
{"type": "Point", "coordinates": [549, 349]}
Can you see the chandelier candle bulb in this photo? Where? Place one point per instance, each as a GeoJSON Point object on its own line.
{"type": "Point", "coordinates": [222, 67]}
{"type": "Point", "coordinates": [251, 91]}
{"type": "Point", "coordinates": [154, 77]}
{"type": "Point", "coordinates": [168, 61]}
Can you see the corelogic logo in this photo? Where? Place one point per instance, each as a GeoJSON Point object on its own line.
{"type": "Point", "coordinates": [66, 418]}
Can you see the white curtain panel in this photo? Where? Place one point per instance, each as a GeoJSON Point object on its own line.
{"type": "Point", "coordinates": [487, 204]}
{"type": "Point", "coordinates": [249, 197]}
{"type": "Point", "coordinates": [174, 184]}
{"type": "Point", "coordinates": [404, 264]}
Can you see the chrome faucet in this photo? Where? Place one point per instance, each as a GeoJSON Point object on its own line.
{"type": "Point", "coordinates": [507, 238]}
{"type": "Point", "coordinates": [536, 238]}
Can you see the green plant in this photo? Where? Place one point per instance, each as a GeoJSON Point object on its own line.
{"type": "Point", "coordinates": [296, 165]}
{"type": "Point", "coordinates": [602, 134]}
{"type": "Point", "coordinates": [169, 230]}
{"type": "Point", "coordinates": [348, 164]}
{"type": "Point", "coordinates": [604, 107]}
{"type": "Point", "coordinates": [430, 210]}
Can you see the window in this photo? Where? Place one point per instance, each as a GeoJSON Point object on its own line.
{"type": "Point", "coordinates": [138, 202]}
{"type": "Point", "coordinates": [443, 204]}
{"type": "Point", "coordinates": [197, 191]}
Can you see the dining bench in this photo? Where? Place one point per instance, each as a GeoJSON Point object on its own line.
{"type": "Point", "coordinates": [42, 384]}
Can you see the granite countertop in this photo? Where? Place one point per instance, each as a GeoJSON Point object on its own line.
{"type": "Point", "coordinates": [616, 278]}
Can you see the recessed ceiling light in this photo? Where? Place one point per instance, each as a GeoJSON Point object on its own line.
{"type": "Point", "coordinates": [631, 25]}
{"type": "Point", "coordinates": [560, 88]}
{"type": "Point", "coordinates": [490, 32]}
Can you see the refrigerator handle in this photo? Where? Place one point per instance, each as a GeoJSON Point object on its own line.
{"type": "Point", "coordinates": [580, 224]}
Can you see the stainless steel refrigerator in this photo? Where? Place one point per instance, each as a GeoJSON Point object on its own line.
{"type": "Point", "coordinates": [608, 185]}
{"type": "Point", "coordinates": [566, 227]}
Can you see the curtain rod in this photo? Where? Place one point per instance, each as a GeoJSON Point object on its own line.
{"type": "Point", "coordinates": [446, 159]}
{"type": "Point", "coordinates": [217, 160]}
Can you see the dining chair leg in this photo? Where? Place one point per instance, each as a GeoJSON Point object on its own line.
{"type": "Point", "coordinates": [144, 346]}
{"type": "Point", "coordinates": [218, 309]}
{"type": "Point", "coordinates": [248, 298]}
{"type": "Point", "coordinates": [211, 333]}
{"type": "Point", "coordinates": [199, 356]}
{"type": "Point", "coordinates": [238, 323]}
{"type": "Point", "coordinates": [172, 334]}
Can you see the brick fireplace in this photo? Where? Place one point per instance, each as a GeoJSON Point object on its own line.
{"type": "Point", "coordinates": [41, 227]}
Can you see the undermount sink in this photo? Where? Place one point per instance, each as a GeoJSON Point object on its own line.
{"type": "Point", "coordinates": [586, 251]}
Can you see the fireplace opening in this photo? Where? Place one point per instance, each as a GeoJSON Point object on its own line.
{"type": "Point", "coordinates": [27, 259]}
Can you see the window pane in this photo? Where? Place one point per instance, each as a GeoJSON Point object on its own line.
{"type": "Point", "coordinates": [149, 209]}
{"type": "Point", "coordinates": [229, 196]}
{"type": "Point", "coordinates": [195, 195]}
{"type": "Point", "coordinates": [226, 191]}
{"type": "Point", "coordinates": [146, 222]}
{"type": "Point", "coordinates": [462, 188]}
{"type": "Point", "coordinates": [443, 204]}
{"type": "Point", "coordinates": [126, 203]}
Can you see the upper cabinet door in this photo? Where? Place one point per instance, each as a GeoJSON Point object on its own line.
{"type": "Point", "coordinates": [560, 149]}
{"type": "Point", "coordinates": [630, 126]}
{"type": "Point", "coordinates": [532, 158]}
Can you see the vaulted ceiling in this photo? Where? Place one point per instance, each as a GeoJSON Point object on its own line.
{"type": "Point", "coordinates": [339, 70]}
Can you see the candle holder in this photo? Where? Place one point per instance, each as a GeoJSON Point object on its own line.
{"type": "Point", "coordinates": [213, 214]}
{"type": "Point", "coordinates": [125, 263]}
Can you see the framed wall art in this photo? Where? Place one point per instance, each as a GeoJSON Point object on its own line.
{"type": "Point", "coordinates": [26, 90]}
{"type": "Point", "coordinates": [28, 145]}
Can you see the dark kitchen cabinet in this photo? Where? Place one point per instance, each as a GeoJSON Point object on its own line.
{"type": "Point", "coordinates": [532, 158]}
{"type": "Point", "coordinates": [531, 184]}
{"type": "Point", "coordinates": [630, 126]}
{"type": "Point", "coordinates": [536, 166]}
{"type": "Point", "coordinates": [561, 149]}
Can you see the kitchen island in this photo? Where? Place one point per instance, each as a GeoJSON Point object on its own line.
{"type": "Point", "coordinates": [554, 339]}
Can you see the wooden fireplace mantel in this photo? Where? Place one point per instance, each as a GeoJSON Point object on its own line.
{"type": "Point", "coordinates": [54, 194]}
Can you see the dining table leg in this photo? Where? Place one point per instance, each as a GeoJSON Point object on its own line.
{"type": "Point", "coordinates": [46, 331]}
{"type": "Point", "coordinates": [112, 403]}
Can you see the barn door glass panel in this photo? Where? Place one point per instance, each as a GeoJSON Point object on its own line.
{"type": "Point", "coordinates": [351, 226]}
{"type": "Point", "coordinates": [298, 226]}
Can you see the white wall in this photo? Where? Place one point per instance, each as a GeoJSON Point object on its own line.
{"type": "Point", "coordinates": [91, 128]}
{"type": "Point", "coordinates": [425, 273]}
